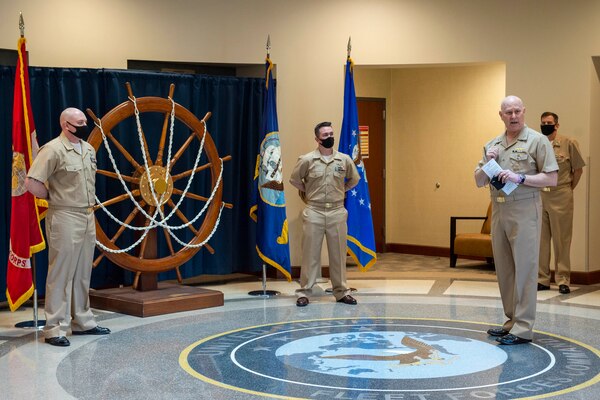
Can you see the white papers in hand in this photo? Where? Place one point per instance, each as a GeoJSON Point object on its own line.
{"type": "Point", "coordinates": [491, 169]}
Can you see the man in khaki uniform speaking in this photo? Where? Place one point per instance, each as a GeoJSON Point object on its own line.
{"type": "Point", "coordinates": [64, 172]}
{"type": "Point", "coordinates": [557, 217]}
{"type": "Point", "coordinates": [323, 177]}
{"type": "Point", "coordinates": [526, 159]}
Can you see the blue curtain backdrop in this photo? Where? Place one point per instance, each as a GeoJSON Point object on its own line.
{"type": "Point", "coordinates": [236, 107]}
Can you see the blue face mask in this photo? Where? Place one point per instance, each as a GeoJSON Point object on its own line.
{"type": "Point", "coordinates": [547, 129]}
{"type": "Point", "coordinates": [81, 132]}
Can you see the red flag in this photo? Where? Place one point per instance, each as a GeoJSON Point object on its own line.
{"type": "Point", "coordinates": [25, 232]}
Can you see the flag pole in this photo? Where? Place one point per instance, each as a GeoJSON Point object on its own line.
{"type": "Point", "coordinates": [349, 45]}
{"type": "Point", "coordinates": [35, 324]}
{"type": "Point", "coordinates": [330, 289]}
{"type": "Point", "coordinates": [264, 292]}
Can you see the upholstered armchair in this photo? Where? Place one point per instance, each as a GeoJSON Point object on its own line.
{"type": "Point", "coordinates": [472, 244]}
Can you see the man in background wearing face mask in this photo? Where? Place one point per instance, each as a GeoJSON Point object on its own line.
{"type": "Point", "coordinates": [557, 215]}
{"type": "Point", "coordinates": [64, 172]}
{"type": "Point", "coordinates": [324, 176]}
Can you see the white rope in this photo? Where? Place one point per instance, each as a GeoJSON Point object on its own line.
{"type": "Point", "coordinates": [153, 221]}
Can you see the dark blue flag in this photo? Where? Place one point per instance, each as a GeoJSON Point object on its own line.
{"type": "Point", "coordinates": [361, 239]}
{"type": "Point", "coordinates": [268, 210]}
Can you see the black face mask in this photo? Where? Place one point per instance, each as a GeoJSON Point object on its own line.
{"type": "Point", "coordinates": [547, 129]}
{"type": "Point", "coordinates": [327, 143]}
{"type": "Point", "coordinates": [81, 132]}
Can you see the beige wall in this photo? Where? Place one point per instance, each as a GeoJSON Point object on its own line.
{"type": "Point", "coordinates": [438, 119]}
{"type": "Point", "coordinates": [546, 46]}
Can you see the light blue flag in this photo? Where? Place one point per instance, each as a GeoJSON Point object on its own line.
{"type": "Point", "coordinates": [361, 239]}
{"type": "Point", "coordinates": [268, 210]}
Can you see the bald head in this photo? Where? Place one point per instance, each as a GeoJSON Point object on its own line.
{"type": "Point", "coordinates": [71, 119]}
{"type": "Point", "coordinates": [72, 115]}
{"type": "Point", "coordinates": [512, 113]}
{"type": "Point", "coordinates": [510, 101]}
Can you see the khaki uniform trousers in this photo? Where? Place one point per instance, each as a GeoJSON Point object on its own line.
{"type": "Point", "coordinates": [516, 229]}
{"type": "Point", "coordinates": [557, 226]}
{"type": "Point", "coordinates": [71, 237]}
{"type": "Point", "coordinates": [318, 223]}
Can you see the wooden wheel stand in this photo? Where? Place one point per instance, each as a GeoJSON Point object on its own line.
{"type": "Point", "coordinates": [151, 181]}
{"type": "Point", "coordinates": [154, 298]}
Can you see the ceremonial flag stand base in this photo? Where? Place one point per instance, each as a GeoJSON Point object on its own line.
{"type": "Point", "coordinates": [264, 292]}
{"type": "Point", "coordinates": [36, 324]}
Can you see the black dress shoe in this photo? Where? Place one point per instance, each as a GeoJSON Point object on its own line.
{"type": "Point", "coordinates": [497, 332]}
{"type": "Point", "coordinates": [347, 299]}
{"type": "Point", "coordinates": [98, 330]}
{"type": "Point", "coordinates": [511, 339]}
{"type": "Point", "coordinates": [543, 287]}
{"type": "Point", "coordinates": [60, 341]}
{"type": "Point", "coordinates": [302, 301]}
{"type": "Point", "coordinates": [564, 289]}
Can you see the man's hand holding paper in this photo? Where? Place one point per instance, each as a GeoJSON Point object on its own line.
{"type": "Point", "coordinates": [495, 172]}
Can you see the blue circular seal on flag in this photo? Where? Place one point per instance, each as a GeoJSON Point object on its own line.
{"type": "Point", "coordinates": [388, 359]}
{"type": "Point", "coordinates": [270, 176]}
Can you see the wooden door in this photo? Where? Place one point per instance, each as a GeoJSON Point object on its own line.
{"type": "Point", "coordinates": [371, 113]}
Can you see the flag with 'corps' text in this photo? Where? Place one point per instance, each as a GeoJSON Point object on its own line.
{"type": "Point", "coordinates": [25, 232]}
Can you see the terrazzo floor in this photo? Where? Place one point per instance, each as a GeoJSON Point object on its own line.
{"type": "Point", "coordinates": [418, 332]}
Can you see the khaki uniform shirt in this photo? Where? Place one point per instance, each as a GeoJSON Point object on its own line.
{"type": "Point", "coordinates": [530, 154]}
{"type": "Point", "coordinates": [568, 157]}
{"type": "Point", "coordinates": [69, 176]}
{"type": "Point", "coordinates": [325, 181]}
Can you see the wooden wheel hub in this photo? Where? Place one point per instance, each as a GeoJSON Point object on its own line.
{"type": "Point", "coordinates": [161, 186]}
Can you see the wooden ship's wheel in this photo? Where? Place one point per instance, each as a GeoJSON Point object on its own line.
{"type": "Point", "coordinates": [150, 185]}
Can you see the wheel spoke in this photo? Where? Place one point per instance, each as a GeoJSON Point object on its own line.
{"type": "Point", "coordinates": [119, 232]}
{"type": "Point", "coordinates": [163, 135]}
{"type": "Point", "coordinates": [181, 150]}
{"type": "Point", "coordinates": [168, 238]}
{"type": "Point", "coordinates": [98, 259]}
{"type": "Point", "coordinates": [198, 197]}
{"type": "Point", "coordinates": [185, 220]}
{"type": "Point", "coordinates": [145, 240]}
{"type": "Point", "coordinates": [198, 169]}
{"type": "Point", "coordinates": [123, 151]}
{"type": "Point", "coordinates": [146, 151]}
{"type": "Point", "coordinates": [209, 248]}
{"type": "Point", "coordinates": [118, 199]}
{"type": "Point", "coordinates": [189, 172]}
{"type": "Point", "coordinates": [115, 176]}
{"type": "Point", "coordinates": [182, 217]}
{"type": "Point", "coordinates": [136, 280]}
{"type": "Point", "coordinates": [190, 195]}
{"type": "Point", "coordinates": [144, 143]}
{"type": "Point", "coordinates": [129, 218]}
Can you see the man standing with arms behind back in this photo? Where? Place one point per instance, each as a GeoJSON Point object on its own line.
{"type": "Point", "coordinates": [324, 176]}
{"type": "Point", "coordinates": [557, 216]}
{"type": "Point", "coordinates": [64, 172]}
{"type": "Point", "coordinates": [527, 159]}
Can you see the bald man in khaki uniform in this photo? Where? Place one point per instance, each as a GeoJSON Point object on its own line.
{"type": "Point", "coordinates": [527, 159]}
{"type": "Point", "coordinates": [557, 217]}
{"type": "Point", "coordinates": [64, 172]}
{"type": "Point", "coordinates": [323, 176]}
